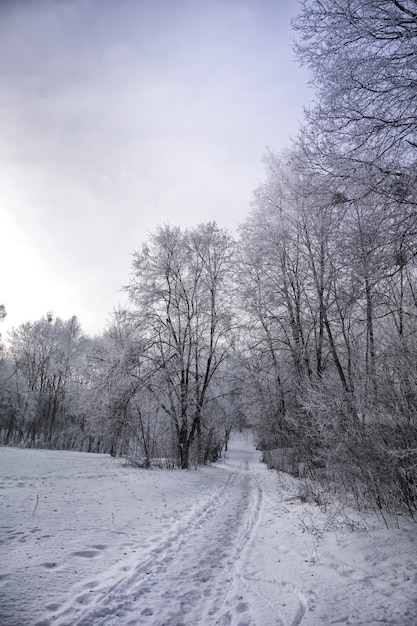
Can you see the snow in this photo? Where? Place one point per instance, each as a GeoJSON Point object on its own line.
{"type": "Point", "coordinates": [86, 539]}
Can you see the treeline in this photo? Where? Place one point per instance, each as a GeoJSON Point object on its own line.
{"type": "Point", "coordinates": [331, 247]}
{"type": "Point", "coordinates": [328, 278]}
{"type": "Point", "coordinates": [302, 324]}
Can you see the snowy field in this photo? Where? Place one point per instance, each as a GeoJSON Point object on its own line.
{"type": "Point", "coordinates": [86, 540]}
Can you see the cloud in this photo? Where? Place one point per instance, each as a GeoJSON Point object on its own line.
{"type": "Point", "coordinates": [118, 116]}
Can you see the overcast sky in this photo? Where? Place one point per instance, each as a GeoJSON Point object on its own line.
{"type": "Point", "coordinates": [119, 115]}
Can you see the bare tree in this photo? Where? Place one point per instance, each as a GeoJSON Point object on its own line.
{"type": "Point", "coordinates": [44, 359]}
{"type": "Point", "coordinates": [180, 296]}
{"type": "Point", "coordinates": [363, 57]}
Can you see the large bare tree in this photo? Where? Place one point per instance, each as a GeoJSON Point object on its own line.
{"type": "Point", "coordinates": [180, 295]}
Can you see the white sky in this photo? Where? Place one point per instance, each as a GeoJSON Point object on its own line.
{"type": "Point", "coordinates": [116, 116]}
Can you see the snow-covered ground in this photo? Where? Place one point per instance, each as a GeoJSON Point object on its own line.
{"type": "Point", "coordinates": [84, 539]}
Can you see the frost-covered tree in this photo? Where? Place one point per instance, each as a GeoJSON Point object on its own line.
{"type": "Point", "coordinates": [7, 402]}
{"type": "Point", "coordinates": [3, 315]}
{"type": "Point", "coordinates": [44, 356]}
{"type": "Point", "coordinates": [327, 274]}
{"type": "Point", "coordinates": [288, 265]}
{"type": "Point", "coordinates": [123, 417]}
{"type": "Point", "coordinates": [363, 58]}
{"type": "Point", "coordinates": [180, 295]}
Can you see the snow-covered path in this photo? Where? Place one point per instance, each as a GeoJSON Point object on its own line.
{"type": "Point", "coordinates": [184, 578]}
{"type": "Point", "coordinates": [86, 540]}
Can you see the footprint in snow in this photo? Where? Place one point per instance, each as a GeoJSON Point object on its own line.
{"type": "Point", "coordinates": [91, 553]}
{"type": "Point", "coordinates": [147, 611]}
{"type": "Point", "coordinates": [49, 565]}
{"type": "Point", "coordinates": [241, 607]}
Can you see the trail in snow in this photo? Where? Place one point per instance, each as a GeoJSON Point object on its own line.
{"type": "Point", "coordinates": [87, 541]}
{"type": "Point", "coordinates": [197, 570]}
